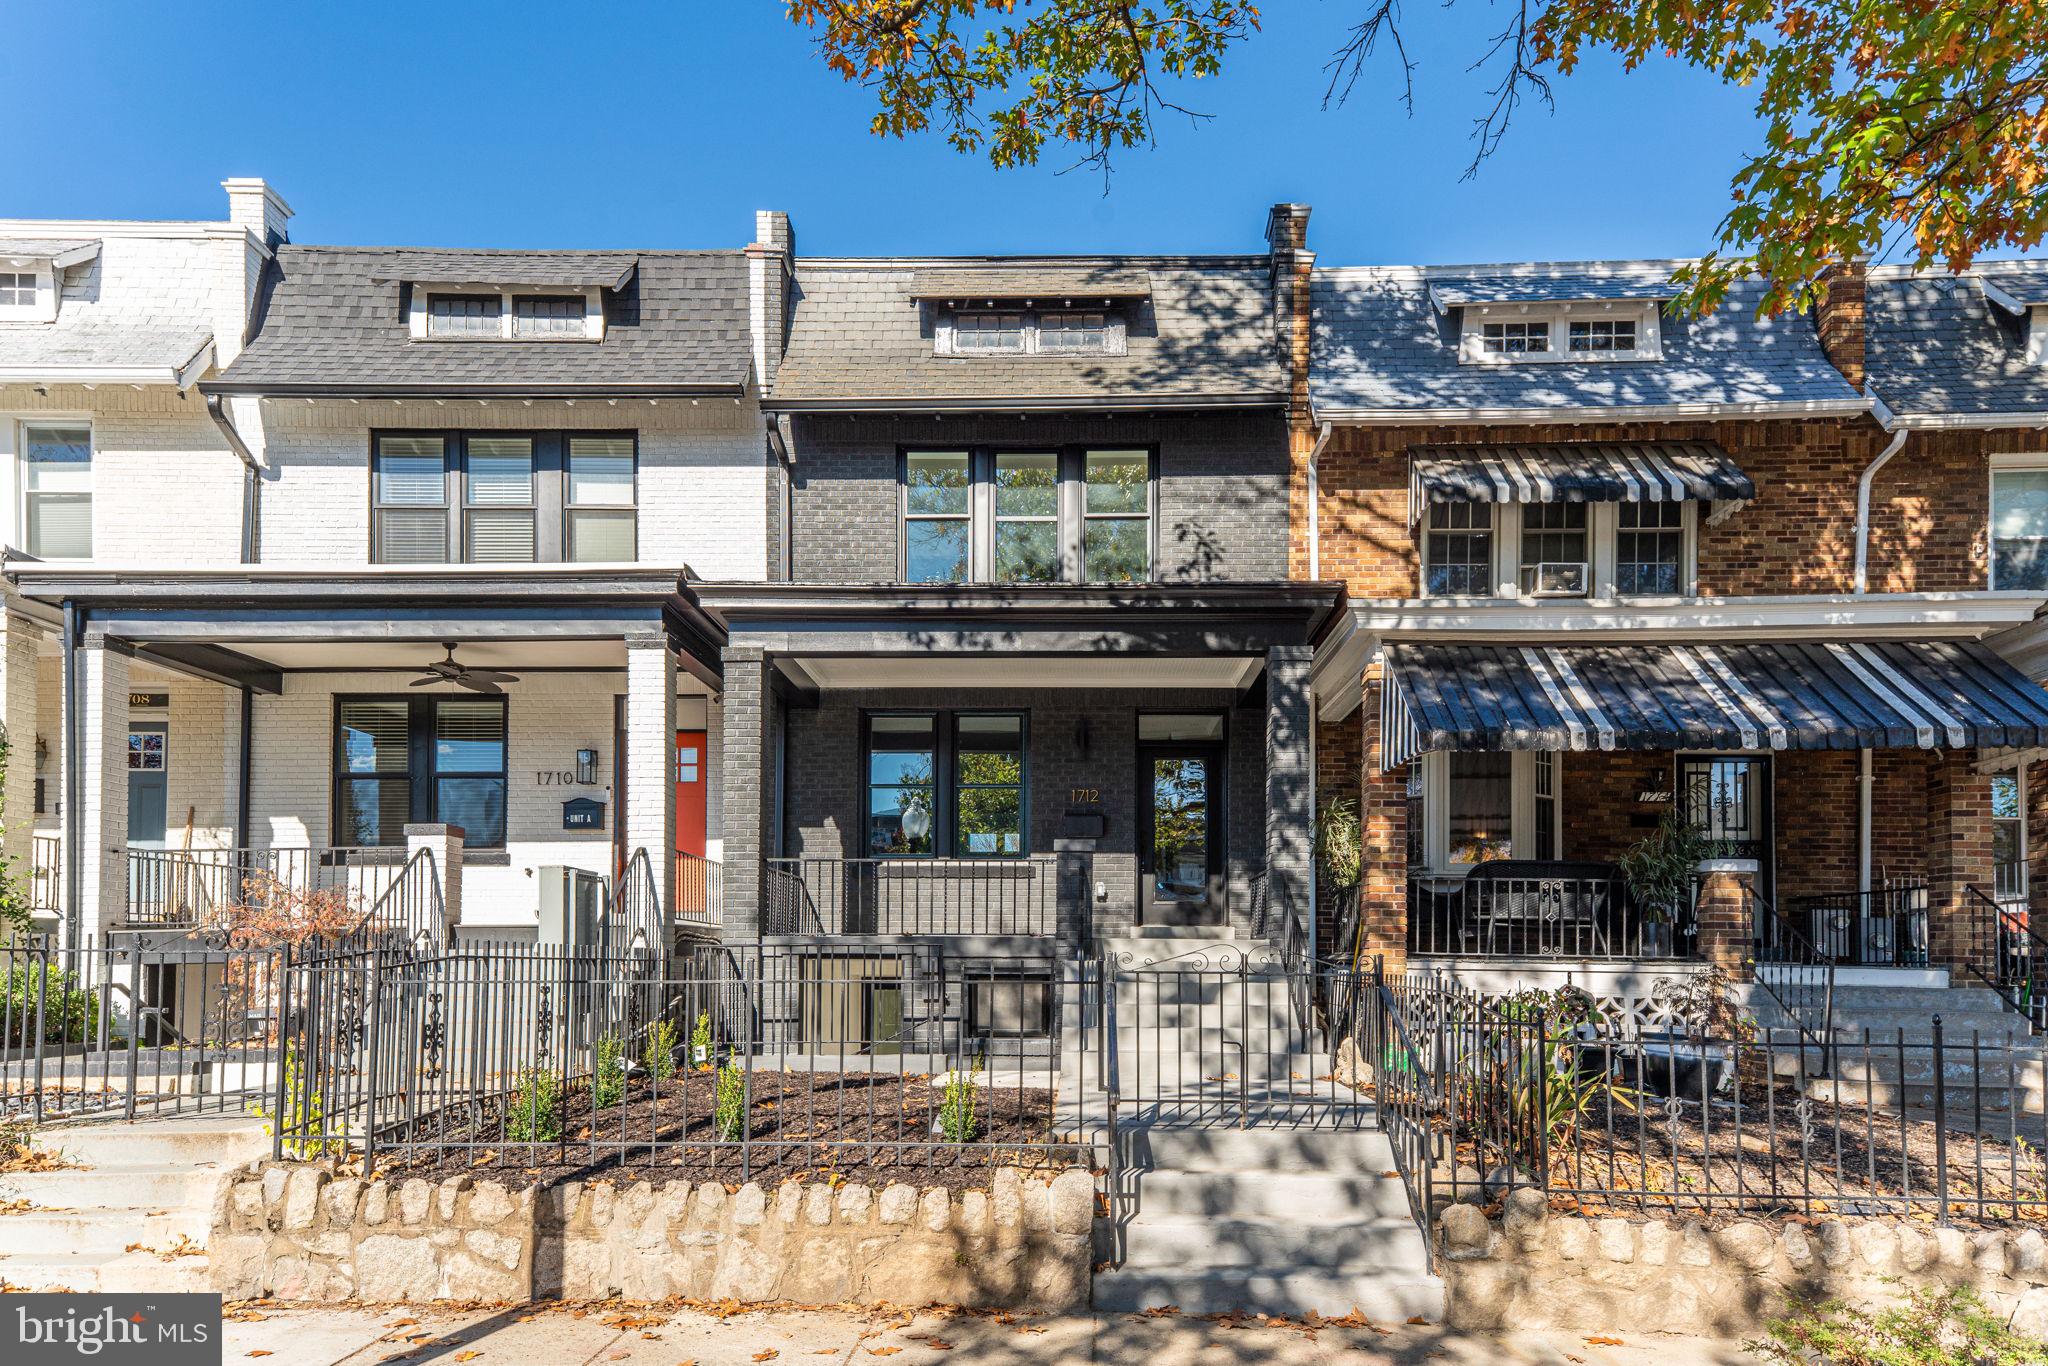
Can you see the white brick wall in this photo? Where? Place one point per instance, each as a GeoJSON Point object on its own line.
{"type": "Point", "coordinates": [702, 490]}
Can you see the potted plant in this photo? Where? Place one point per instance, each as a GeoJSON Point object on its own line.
{"type": "Point", "coordinates": [1340, 860]}
{"type": "Point", "coordinates": [1659, 871]}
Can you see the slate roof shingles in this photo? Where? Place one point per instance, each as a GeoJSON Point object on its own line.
{"type": "Point", "coordinates": [331, 316]}
{"type": "Point", "coordinates": [1379, 344]}
{"type": "Point", "coordinates": [1205, 333]}
{"type": "Point", "coordinates": [1935, 346]}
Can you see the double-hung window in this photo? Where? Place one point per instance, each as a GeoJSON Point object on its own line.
{"type": "Point", "coordinates": [502, 497]}
{"type": "Point", "coordinates": [2019, 527]}
{"type": "Point", "coordinates": [948, 784]}
{"type": "Point", "coordinates": [419, 759]}
{"type": "Point", "coordinates": [1649, 548]}
{"type": "Point", "coordinates": [1554, 559]}
{"type": "Point", "coordinates": [1457, 550]}
{"type": "Point", "coordinates": [56, 508]}
{"type": "Point", "coordinates": [988, 516]}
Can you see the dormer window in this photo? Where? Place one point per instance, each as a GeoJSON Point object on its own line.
{"type": "Point", "coordinates": [1603, 334]}
{"type": "Point", "coordinates": [32, 275]}
{"type": "Point", "coordinates": [17, 289]}
{"type": "Point", "coordinates": [1552, 332]}
{"type": "Point", "coordinates": [1514, 339]}
{"type": "Point", "coordinates": [487, 313]}
{"type": "Point", "coordinates": [1025, 331]}
{"type": "Point", "coordinates": [463, 315]}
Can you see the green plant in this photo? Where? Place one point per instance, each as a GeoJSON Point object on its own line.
{"type": "Point", "coordinates": [700, 1037]}
{"type": "Point", "coordinates": [70, 1012]}
{"type": "Point", "coordinates": [658, 1056]}
{"type": "Point", "coordinates": [1923, 1326]}
{"type": "Point", "coordinates": [16, 901]}
{"type": "Point", "coordinates": [535, 1112]}
{"type": "Point", "coordinates": [1528, 1088]}
{"type": "Point", "coordinates": [305, 1111]}
{"type": "Point", "coordinates": [729, 1108]}
{"type": "Point", "coordinates": [608, 1077]}
{"type": "Point", "coordinates": [1659, 868]}
{"type": "Point", "coordinates": [14, 1141]}
{"type": "Point", "coordinates": [1339, 848]}
{"type": "Point", "coordinates": [957, 1120]}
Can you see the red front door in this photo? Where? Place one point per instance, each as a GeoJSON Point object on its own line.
{"type": "Point", "coordinates": [690, 789]}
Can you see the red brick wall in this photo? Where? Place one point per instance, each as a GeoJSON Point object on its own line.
{"type": "Point", "coordinates": [1959, 851]}
{"type": "Point", "coordinates": [1384, 809]}
{"type": "Point", "coordinates": [1929, 505]}
{"type": "Point", "coordinates": [1338, 771]}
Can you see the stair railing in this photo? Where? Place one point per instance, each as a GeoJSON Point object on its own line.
{"type": "Point", "coordinates": [2002, 932]}
{"type": "Point", "coordinates": [1802, 980]}
{"type": "Point", "coordinates": [1404, 1096]}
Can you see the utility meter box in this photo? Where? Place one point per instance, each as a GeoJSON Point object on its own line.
{"type": "Point", "coordinates": [571, 905]}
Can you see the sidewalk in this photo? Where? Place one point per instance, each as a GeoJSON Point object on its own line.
{"type": "Point", "coordinates": [662, 1336]}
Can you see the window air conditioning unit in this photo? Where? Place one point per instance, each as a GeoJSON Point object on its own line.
{"type": "Point", "coordinates": [1560, 579]}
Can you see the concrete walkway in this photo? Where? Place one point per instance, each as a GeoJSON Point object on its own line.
{"type": "Point", "coordinates": [660, 1336]}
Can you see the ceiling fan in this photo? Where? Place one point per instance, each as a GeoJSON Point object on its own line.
{"type": "Point", "coordinates": [461, 675]}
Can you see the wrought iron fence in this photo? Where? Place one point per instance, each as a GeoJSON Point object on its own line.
{"type": "Point", "coordinates": [2002, 947]}
{"type": "Point", "coordinates": [1797, 977]}
{"type": "Point", "coordinates": [833, 896]}
{"type": "Point", "coordinates": [1883, 927]}
{"type": "Point", "coordinates": [633, 918]}
{"type": "Point", "coordinates": [1482, 1097]}
{"type": "Point", "coordinates": [722, 1062]}
{"type": "Point", "coordinates": [189, 887]}
{"type": "Point", "coordinates": [127, 1027]}
{"type": "Point", "coordinates": [1526, 907]}
{"type": "Point", "coordinates": [700, 891]}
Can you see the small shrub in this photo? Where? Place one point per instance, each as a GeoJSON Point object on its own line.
{"type": "Point", "coordinates": [70, 1012]}
{"type": "Point", "coordinates": [1928, 1326]}
{"type": "Point", "coordinates": [700, 1038]}
{"type": "Point", "coordinates": [535, 1115]}
{"type": "Point", "coordinates": [659, 1054]}
{"type": "Point", "coordinates": [608, 1077]}
{"type": "Point", "coordinates": [957, 1120]}
{"type": "Point", "coordinates": [305, 1111]}
{"type": "Point", "coordinates": [729, 1110]}
{"type": "Point", "coordinates": [14, 1142]}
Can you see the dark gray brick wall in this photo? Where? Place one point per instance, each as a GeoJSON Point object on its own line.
{"type": "Point", "coordinates": [826, 792]}
{"type": "Point", "coordinates": [1222, 486]}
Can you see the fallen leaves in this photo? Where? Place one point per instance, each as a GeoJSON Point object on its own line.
{"type": "Point", "coordinates": [471, 1355]}
{"type": "Point", "coordinates": [766, 1354]}
{"type": "Point", "coordinates": [883, 1351]}
{"type": "Point", "coordinates": [1159, 1311]}
{"type": "Point", "coordinates": [258, 1352]}
{"type": "Point", "coordinates": [1599, 1341]}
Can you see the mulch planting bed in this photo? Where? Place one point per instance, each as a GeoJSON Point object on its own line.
{"type": "Point", "coordinates": [873, 1128]}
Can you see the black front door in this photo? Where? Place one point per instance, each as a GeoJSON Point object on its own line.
{"type": "Point", "coordinates": [1180, 834]}
{"type": "Point", "coordinates": [1727, 798]}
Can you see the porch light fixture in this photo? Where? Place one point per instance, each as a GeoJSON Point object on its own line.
{"type": "Point", "coordinates": [586, 766]}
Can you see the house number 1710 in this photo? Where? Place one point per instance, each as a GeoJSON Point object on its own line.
{"type": "Point", "coordinates": [555, 777]}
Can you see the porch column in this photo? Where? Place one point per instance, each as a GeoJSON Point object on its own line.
{"type": "Point", "coordinates": [102, 816]}
{"type": "Point", "coordinates": [1727, 930]}
{"type": "Point", "coordinates": [1958, 855]}
{"type": "Point", "coordinates": [20, 700]}
{"type": "Point", "coordinates": [1383, 832]}
{"type": "Point", "coordinates": [1289, 814]}
{"type": "Point", "coordinates": [649, 763]}
{"type": "Point", "coordinates": [747, 787]}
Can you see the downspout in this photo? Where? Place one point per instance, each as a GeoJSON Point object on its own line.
{"type": "Point", "coordinates": [1315, 527]}
{"type": "Point", "coordinates": [779, 441]}
{"type": "Point", "coordinates": [1866, 778]}
{"type": "Point", "coordinates": [251, 474]}
{"type": "Point", "coordinates": [73, 784]}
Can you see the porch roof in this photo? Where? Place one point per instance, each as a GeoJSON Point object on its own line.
{"type": "Point", "coordinates": [1574, 472]}
{"type": "Point", "coordinates": [1773, 695]}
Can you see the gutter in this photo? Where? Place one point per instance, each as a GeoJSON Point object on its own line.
{"type": "Point", "coordinates": [1048, 403]}
{"type": "Point", "coordinates": [1572, 414]}
{"type": "Point", "coordinates": [252, 475]}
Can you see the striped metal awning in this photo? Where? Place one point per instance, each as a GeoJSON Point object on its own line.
{"type": "Point", "coordinates": [1574, 472]}
{"type": "Point", "coordinates": [1778, 695]}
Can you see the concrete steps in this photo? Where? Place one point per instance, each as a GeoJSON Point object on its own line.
{"type": "Point", "coordinates": [1277, 1220]}
{"type": "Point", "coordinates": [147, 1186]}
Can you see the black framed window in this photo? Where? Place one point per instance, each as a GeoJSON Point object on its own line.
{"type": "Point", "coordinates": [403, 759]}
{"type": "Point", "coordinates": [1649, 548]}
{"type": "Point", "coordinates": [1554, 559]}
{"type": "Point", "coordinates": [1457, 550]}
{"type": "Point", "coordinates": [945, 784]}
{"type": "Point", "coordinates": [502, 497]}
{"type": "Point", "coordinates": [1072, 515]}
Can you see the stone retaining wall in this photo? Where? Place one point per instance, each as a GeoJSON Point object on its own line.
{"type": "Point", "coordinates": [1533, 1269]}
{"type": "Point", "coordinates": [293, 1231]}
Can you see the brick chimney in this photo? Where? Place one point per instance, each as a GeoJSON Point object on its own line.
{"type": "Point", "coordinates": [1287, 236]}
{"type": "Point", "coordinates": [771, 264]}
{"type": "Point", "coordinates": [1839, 318]}
{"type": "Point", "coordinates": [252, 204]}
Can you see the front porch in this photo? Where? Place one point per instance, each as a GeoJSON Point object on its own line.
{"type": "Point", "coordinates": [454, 752]}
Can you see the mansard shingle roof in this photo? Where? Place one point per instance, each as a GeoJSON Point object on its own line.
{"type": "Point", "coordinates": [333, 319]}
{"type": "Point", "coordinates": [1937, 347]}
{"type": "Point", "coordinates": [859, 337]}
{"type": "Point", "coordinates": [1382, 346]}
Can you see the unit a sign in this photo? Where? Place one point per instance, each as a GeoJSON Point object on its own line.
{"type": "Point", "coordinates": [583, 813]}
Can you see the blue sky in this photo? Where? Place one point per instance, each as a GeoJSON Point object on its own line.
{"type": "Point", "coordinates": [666, 124]}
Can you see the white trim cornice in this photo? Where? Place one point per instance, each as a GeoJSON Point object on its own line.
{"type": "Point", "coordinates": [1576, 413]}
